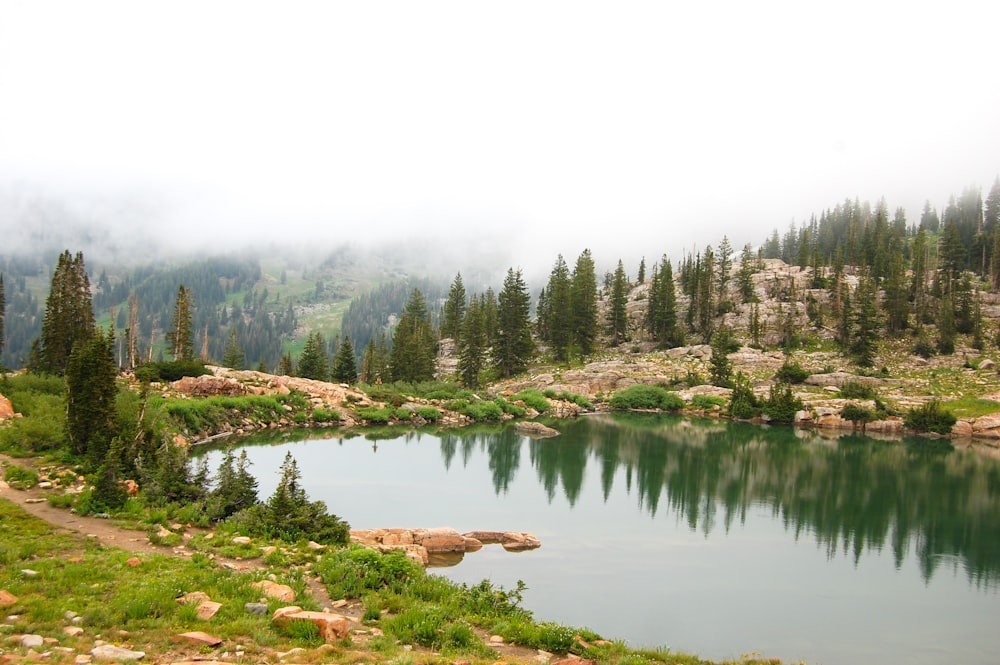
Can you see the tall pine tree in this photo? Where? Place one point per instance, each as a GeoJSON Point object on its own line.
{"type": "Point", "coordinates": [472, 345]}
{"type": "Point", "coordinates": [454, 309]}
{"type": "Point", "coordinates": [413, 355]}
{"type": "Point", "coordinates": [180, 337]}
{"type": "Point", "coordinates": [513, 346]}
{"type": "Point", "coordinates": [583, 297]}
{"type": "Point", "coordinates": [69, 315]}
{"type": "Point", "coordinates": [345, 368]}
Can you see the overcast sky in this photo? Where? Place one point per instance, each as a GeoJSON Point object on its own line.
{"type": "Point", "coordinates": [627, 127]}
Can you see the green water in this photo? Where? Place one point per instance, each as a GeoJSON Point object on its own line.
{"type": "Point", "coordinates": [711, 537]}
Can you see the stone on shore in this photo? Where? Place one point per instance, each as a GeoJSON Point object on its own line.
{"type": "Point", "coordinates": [332, 626]}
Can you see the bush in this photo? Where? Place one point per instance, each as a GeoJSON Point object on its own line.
{"type": "Point", "coordinates": [743, 403]}
{"type": "Point", "coordinates": [647, 397]}
{"type": "Point", "coordinates": [782, 404]}
{"type": "Point", "coordinates": [429, 413]}
{"type": "Point", "coordinates": [707, 402]}
{"type": "Point", "coordinates": [534, 399]}
{"type": "Point", "coordinates": [321, 415]}
{"type": "Point", "coordinates": [483, 411]}
{"type": "Point", "coordinates": [857, 414]}
{"type": "Point", "coordinates": [510, 408]}
{"type": "Point", "coordinates": [20, 478]}
{"type": "Point", "coordinates": [170, 370]}
{"type": "Point", "coordinates": [930, 417]}
{"type": "Point", "coordinates": [857, 390]}
{"type": "Point", "coordinates": [791, 373]}
{"type": "Point", "coordinates": [376, 416]}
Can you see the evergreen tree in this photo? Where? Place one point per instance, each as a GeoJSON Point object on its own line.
{"type": "Point", "coordinates": [375, 362]}
{"type": "Point", "coordinates": [918, 281]}
{"type": "Point", "coordinates": [962, 299]}
{"type": "Point", "coordinates": [285, 365]}
{"type": "Point", "coordinates": [454, 309]}
{"type": "Point", "coordinates": [640, 278]}
{"type": "Point", "coordinates": [583, 296]}
{"type": "Point", "coordinates": [69, 315]}
{"type": "Point", "coordinates": [472, 345]}
{"type": "Point", "coordinates": [946, 325]}
{"type": "Point", "coordinates": [235, 487]}
{"type": "Point", "coordinates": [233, 356]}
{"type": "Point", "coordinates": [180, 337]}
{"type": "Point", "coordinates": [929, 219]}
{"type": "Point", "coordinates": [345, 368]}
{"type": "Point", "coordinates": [90, 396]}
{"type": "Point", "coordinates": [725, 264]}
{"type": "Point", "coordinates": [991, 209]}
{"type": "Point", "coordinates": [661, 315]}
{"type": "Point", "coordinates": [618, 314]}
{"type": "Point", "coordinates": [706, 294]}
{"type": "Point", "coordinates": [555, 316]}
{"type": "Point", "coordinates": [720, 367]}
{"type": "Point", "coordinates": [746, 275]}
{"type": "Point", "coordinates": [897, 306]}
{"type": "Point", "coordinates": [513, 347]}
{"type": "Point", "coordinates": [413, 355]}
{"type": "Point", "coordinates": [314, 362]}
{"type": "Point", "coordinates": [488, 303]}
{"type": "Point", "coordinates": [864, 331]}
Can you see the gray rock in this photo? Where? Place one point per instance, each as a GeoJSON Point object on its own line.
{"type": "Point", "coordinates": [111, 652]}
{"type": "Point", "coordinates": [32, 641]}
{"type": "Point", "coordinates": [257, 609]}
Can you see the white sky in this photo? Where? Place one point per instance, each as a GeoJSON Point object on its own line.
{"type": "Point", "coordinates": [627, 127]}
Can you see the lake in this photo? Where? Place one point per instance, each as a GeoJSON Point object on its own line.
{"type": "Point", "coordinates": [703, 536]}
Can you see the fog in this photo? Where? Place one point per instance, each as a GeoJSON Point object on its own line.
{"type": "Point", "coordinates": [516, 130]}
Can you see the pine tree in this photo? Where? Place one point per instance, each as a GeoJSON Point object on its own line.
{"type": "Point", "coordinates": [897, 307]}
{"type": "Point", "coordinates": [233, 356]}
{"type": "Point", "coordinates": [375, 362]}
{"type": "Point", "coordinates": [344, 364]}
{"type": "Point", "coordinates": [661, 315]}
{"type": "Point", "coordinates": [725, 264]}
{"type": "Point", "coordinates": [946, 325]}
{"type": "Point", "coordinates": [472, 346]}
{"type": "Point", "coordinates": [618, 314]}
{"type": "Point", "coordinates": [413, 355]}
{"type": "Point", "coordinates": [285, 365]}
{"type": "Point", "coordinates": [313, 361]}
{"type": "Point", "coordinates": [640, 278]}
{"type": "Point", "coordinates": [556, 315]}
{"type": "Point", "coordinates": [583, 297]}
{"type": "Point", "coordinates": [513, 347]}
{"type": "Point", "coordinates": [454, 309]}
{"type": "Point", "coordinates": [180, 337]}
{"type": "Point", "coordinates": [706, 294]}
{"type": "Point", "coordinates": [69, 315]}
{"type": "Point", "coordinates": [864, 330]}
{"type": "Point", "coordinates": [488, 303]}
{"type": "Point", "coordinates": [90, 396]}
{"type": "Point", "coordinates": [745, 277]}
{"type": "Point", "coordinates": [720, 367]}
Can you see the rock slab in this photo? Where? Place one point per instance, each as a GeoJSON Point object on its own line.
{"type": "Point", "coordinates": [332, 626]}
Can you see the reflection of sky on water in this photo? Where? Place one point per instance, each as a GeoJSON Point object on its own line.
{"type": "Point", "coordinates": [721, 588]}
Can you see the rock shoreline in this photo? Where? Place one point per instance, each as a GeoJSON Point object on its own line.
{"type": "Point", "coordinates": [421, 544]}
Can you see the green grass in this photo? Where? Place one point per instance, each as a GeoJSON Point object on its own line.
{"type": "Point", "coordinates": [972, 407]}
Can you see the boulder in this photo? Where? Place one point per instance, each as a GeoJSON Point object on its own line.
{"type": "Point", "coordinates": [209, 386]}
{"type": "Point", "coordinates": [7, 598]}
{"type": "Point", "coordinates": [518, 542]}
{"type": "Point", "coordinates": [332, 626]}
{"type": "Point", "coordinates": [440, 539]}
{"type": "Point", "coordinates": [6, 408]}
{"type": "Point", "coordinates": [199, 637]}
{"type": "Point", "coordinates": [111, 652]}
{"type": "Point", "coordinates": [281, 592]}
{"type": "Point", "coordinates": [207, 609]}
{"type": "Point", "coordinates": [535, 429]}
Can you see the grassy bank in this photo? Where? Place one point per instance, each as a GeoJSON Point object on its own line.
{"type": "Point", "coordinates": [405, 615]}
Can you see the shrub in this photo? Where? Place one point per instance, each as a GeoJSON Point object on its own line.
{"type": "Point", "coordinates": [743, 403]}
{"type": "Point", "coordinates": [930, 417]}
{"type": "Point", "coordinates": [707, 401]}
{"type": "Point", "coordinates": [321, 415]}
{"type": "Point", "coordinates": [533, 398]}
{"type": "Point", "coordinates": [170, 370]}
{"type": "Point", "coordinates": [376, 416]}
{"type": "Point", "coordinates": [646, 397]}
{"type": "Point", "coordinates": [857, 390]}
{"type": "Point", "coordinates": [510, 408]}
{"type": "Point", "coordinates": [20, 478]}
{"type": "Point", "coordinates": [782, 404]}
{"type": "Point", "coordinates": [791, 372]}
{"type": "Point", "coordinates": [857, 414]}
{"type": "Point", "coordinates": [429, 413]}
{"type": "Point", "coordinates": [483, 411]}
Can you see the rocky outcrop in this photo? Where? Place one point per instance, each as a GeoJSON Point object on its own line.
{"type": "Point", "coordinates": [332, 627]}
{"type": "Point", "coordinates": [535, 429]}
{"type": "Point", "coordinates": [420, 544]}
{"type": "Point", "coordinates": [209, 386]}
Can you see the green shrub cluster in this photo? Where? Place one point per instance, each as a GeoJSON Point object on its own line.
{"type": "Point", "coordinates": [510, 408]}
{"type": "Point", "coordinates": [782, 404]}
{"type": "Point", "coordinates": [200, 415]}
{"type": "Point", "coordinates": [791, 372]}
{"type": "Point", "coordinates": [321, 415]}
{"type": "Point", "coordinates": [647, 397]}
{"type": "Point", "coordinates": [377, 416]}
{"type": "Point", "coordinates": [930, 417]}
{"type": "Point", "coordinates": [171, 370]}
{"type": "Point", "coordinates": [20, 477]}
{"type": "Point", "coordinates": [534, 399]}
{"type": "Point", "coordinates": [567, 396]}
{"type": "Point", "coordinates": [40, 399]}
{"type": "Point", "coordinates": [707, 401]}
{"type": "Point", "coordinates": [857, 414]}
{"type": "Point", "coordinates": [743, 402]}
